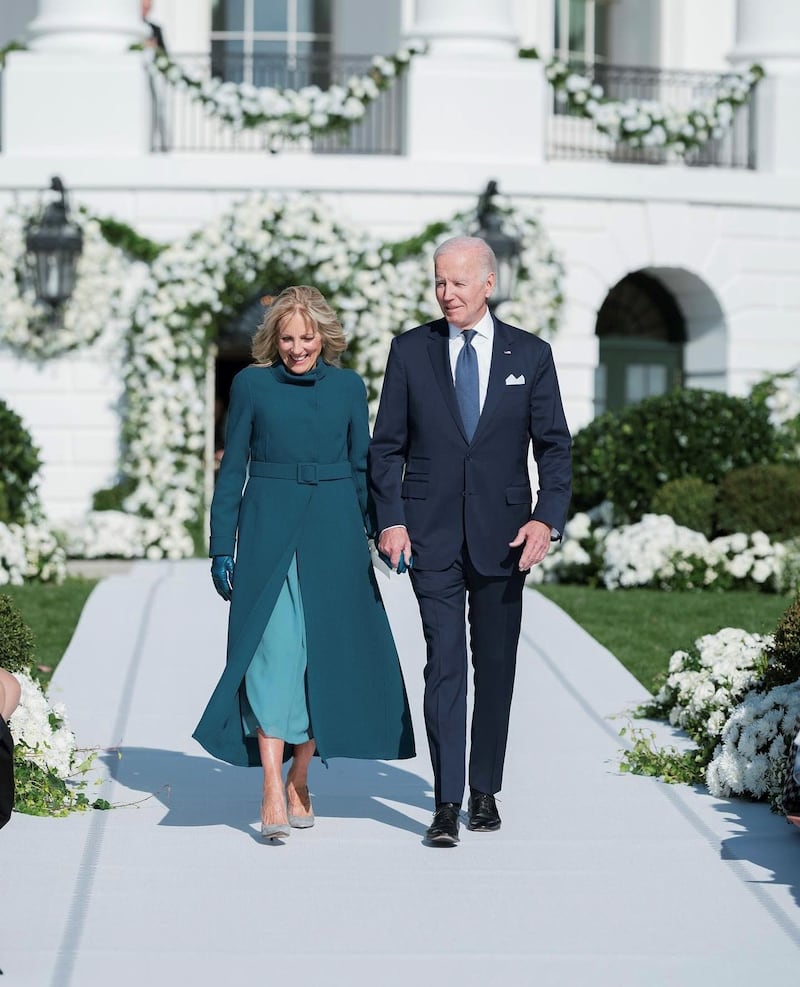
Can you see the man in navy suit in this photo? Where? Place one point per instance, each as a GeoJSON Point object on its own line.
{"type": "Point", "coordinates": [463, 398]}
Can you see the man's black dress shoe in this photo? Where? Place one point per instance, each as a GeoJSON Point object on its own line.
{"type": "Point", "coordinates": [483, 814]}
{"type": "Point", "coordinates": [443, 831]}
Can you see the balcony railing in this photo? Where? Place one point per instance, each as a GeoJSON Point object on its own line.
{"type": "Point", "coordinates": [183, 124]}
{"type": "Point", "coordinates": [574, 137]}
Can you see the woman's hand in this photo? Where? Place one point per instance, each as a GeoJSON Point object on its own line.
{"type": "Point", "coordinates": [222, 575]}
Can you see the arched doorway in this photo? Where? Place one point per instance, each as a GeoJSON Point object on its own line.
{"type": "Point", "coordinates": [232, 355]}
{"type": "Point", "coordinates": [641, 332]}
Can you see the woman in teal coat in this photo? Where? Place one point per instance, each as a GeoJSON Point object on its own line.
{"type": "Point", "coordinates": [311, 662]}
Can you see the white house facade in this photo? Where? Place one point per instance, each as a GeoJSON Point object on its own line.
{"type": "Point", "coordinates": [679, 267]}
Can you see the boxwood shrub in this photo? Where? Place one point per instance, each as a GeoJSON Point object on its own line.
{"type": "Point", "coordinates": [764, 497]}
{"type": "Point", "coordinates": [16, 638]}
{"type": "Point", "coordinates": [19, 464]}
{"type": "Point", "coordinates": [689, 501]}
{"type": "Point", "coordinates": [625, 456]}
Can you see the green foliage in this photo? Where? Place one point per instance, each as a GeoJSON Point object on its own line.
{"type": "Point", "coordinates": [16, 639]}
{"type": "Point", "coordinates": [113, 498]}
{"type": "Point", "coordinates": [411, 247]}
{"type": "Point", "coordinates": [11, 46]}
{"type": "Point", "coordinates": [670, 765]}
{"type": "Point", "coordinates": [625, 456]}
{"type": "Point", "coordinates": [39, 792]}
{"type": "Point", "coordinates": [52, 611]}
{"type": "Point", "coordinates": [689, 501]}
{"type": "Point", "coordinates": [783, 657]}
{"type": "Point", "coordinates": [764, 497]}
{"type": "Point", "coordinates": [19, 464]}
{"type": "Point", "coordinates": [788, 432]}
{"type": "Point", "coordinates": [126, 238]}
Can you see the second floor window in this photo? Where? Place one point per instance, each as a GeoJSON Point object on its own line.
{"type": "Point", "coordinates": [284, 43]}
{"type": "Point", "coordinates": [581, 30]}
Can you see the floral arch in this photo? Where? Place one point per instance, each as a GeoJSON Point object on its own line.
{"type": "Point", "coordinates": [200, 283]}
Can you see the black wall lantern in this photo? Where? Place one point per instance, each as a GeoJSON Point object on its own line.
{"type": "Point", "coordinates": [54, 245]}
{"type": "Point", "coordinates": [506, 247]}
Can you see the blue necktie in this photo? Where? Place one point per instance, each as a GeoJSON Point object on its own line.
{"type": "Point", "coordinates": [467, 384]}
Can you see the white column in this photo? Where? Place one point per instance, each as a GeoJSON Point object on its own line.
{"type": "Point", "coordinates": [769, 33]}
{"type": "Point", "coordinates": [467, 27]}
{"type": "Point", "coordinates": [86, 25]}
{"type": "Point", "coordinates": [78, 90]}
{"type": "Point", "coordinates": [471, 97]}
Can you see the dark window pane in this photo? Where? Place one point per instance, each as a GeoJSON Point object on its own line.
{"type": "Point", "coordinates": [227, 15]}
{"type": "Point", "coordinates": [269, 47]}
{"type": "Point", "coordinates": [314, 16]}
{"type": "Point", "coordinates": [577, 26]}
{"type": "Point", "coordinates": [601, 31]}
{"type": "Point", "coordinates": [227, 60]}
{"type": "Point", "coordinates": [271, 15]}
{"type": "Point", "coordinates": [269, 64]}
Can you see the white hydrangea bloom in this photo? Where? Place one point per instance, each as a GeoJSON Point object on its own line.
{"type": "Point", "coordinates": [50, 746]}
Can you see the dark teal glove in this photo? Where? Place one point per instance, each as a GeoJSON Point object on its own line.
{"type": "Point", "coordinates": [222, 575]}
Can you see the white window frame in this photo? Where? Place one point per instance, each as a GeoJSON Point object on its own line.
{"type": "Point", "coordinates": [589, 54]}
{"type": "Point", "coordinates": [249, 36]}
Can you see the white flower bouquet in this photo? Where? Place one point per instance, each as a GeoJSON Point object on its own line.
{"type": "Point", "coordinates": [49, 772]}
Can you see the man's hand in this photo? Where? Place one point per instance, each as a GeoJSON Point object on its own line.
{"type": "Point", "coordinates": [535, 539]}
{"type": "Point", "coordinates": [222, 575]}
{"type": "Point", "coordinates": [393, 542]}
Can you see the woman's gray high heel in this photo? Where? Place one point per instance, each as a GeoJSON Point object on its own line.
{"type": "Point", "coordinates": [275, 831]}
{"type": "Point", "coordinates": [301, 822]}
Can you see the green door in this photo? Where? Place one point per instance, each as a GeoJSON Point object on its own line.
{"type": "Point", "coordinates": [632, 369]}
{"type": "Point", "coordinates": [641, 332]}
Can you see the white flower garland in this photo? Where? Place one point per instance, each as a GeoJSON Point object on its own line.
{"type": "Point", "coordinates": [96, 305]}
{"type": "Point", "coordinates": [647, 123]}
{"type": "Point", "coordinates": [289, 115]}
{"type": "Point", "coordinates": [263, 243]}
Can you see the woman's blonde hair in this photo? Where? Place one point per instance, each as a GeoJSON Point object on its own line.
{"type": "Point", "coordinates": [318, 314]}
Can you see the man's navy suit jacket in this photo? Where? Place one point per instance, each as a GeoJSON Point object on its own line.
{"type": "Point", "coordinates": [425, 474]}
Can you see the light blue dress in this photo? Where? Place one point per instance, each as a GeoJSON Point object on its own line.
{"type": "Point", "coordinates": [275, 681]}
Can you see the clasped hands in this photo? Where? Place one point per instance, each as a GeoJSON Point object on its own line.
{"type": "Point", "coordinates": [222, 575]}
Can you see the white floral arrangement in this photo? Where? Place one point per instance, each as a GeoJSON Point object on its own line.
{"type": "Point", "coordinates": [285, 116]}
{"type": "Point", "coordinates": [656, 552]}
{"type": "Point", "coordinates": [262, 243]}
{"type": "Point", "coordinates": [30, 551]}
{"type": "Point", "coordinates": [97, 304]}
{"type": "Point", "coordinates": [647, 123]}
{"type": "Point", "coordinates": [41, 729]}
{"type": "Point", "coordinates": [751, 757]}
{"type": "Point", "coordinates": [716, 692]}
{"type": "Point", "coordinates": [115, 534]}
{"type": "Point", "coordinates": [704, 684]}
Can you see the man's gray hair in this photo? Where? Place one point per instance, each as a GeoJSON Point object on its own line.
{"type": "Point", "coordinates": [464, 244]}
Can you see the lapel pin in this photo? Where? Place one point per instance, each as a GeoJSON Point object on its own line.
{"type": "Point", "coordinates": [506, 352]}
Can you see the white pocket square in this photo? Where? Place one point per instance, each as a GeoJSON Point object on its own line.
{"type": "Point", "coordinates": [511, 379]}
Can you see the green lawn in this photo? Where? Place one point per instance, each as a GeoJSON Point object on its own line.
{"type": "Point", "coordinates": [52, 614]}
{"type": "Point", "coordinates": [642, 627]}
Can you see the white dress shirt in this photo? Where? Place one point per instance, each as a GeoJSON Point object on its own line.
{"type": "Point", "coordinates": [482, 343]}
